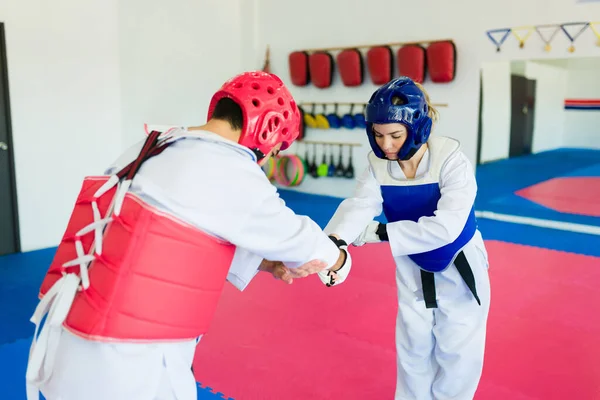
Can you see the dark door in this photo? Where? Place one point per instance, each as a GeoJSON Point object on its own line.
{"type": "Point", "coordinates": [480, 121]}
{"type": "Point", "coordinates": [9, 231]}
{"type": "Point", "coordinates": [522, 115]}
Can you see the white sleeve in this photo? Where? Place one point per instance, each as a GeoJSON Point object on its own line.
{"type": "Point", "coordinates": [244, 268]}
{"type": "Point", "coordinates": [271, 230]}
{"type": "Point", "coordinates": [458, 190]}
{"type": "Point", "coordinates": [354, 214]}
{"type": "Point", "coordinates": [245, 264]}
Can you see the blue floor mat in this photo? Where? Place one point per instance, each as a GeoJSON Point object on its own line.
{"type": "Point", "coordinates": [512, 204]}
{"type": "Point", "coordinates": [13, 364]}
{"type": "Point", "coordinates": [593, 170]}
{"type": "Point", "coordinates": [528, 170]}
{"type": "Point", "coordinates": [571, 242]}
{"type": "Point", "coordinates": [20, 278]}
{"type": "Point", "coordinates": [499, 180]}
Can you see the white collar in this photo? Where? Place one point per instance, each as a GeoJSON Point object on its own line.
{"type": "Point", "coordinates": [177, 133]}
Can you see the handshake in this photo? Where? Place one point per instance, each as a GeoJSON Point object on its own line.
{"type": "Point", "coordinates": [330, 277]}
{"type": "Point", "coordinates": [374, 232]}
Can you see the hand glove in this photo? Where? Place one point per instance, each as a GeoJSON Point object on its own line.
{"type": "Point", "coordinates": [375, 232]}
{"type": "Point", "coordinates": [333, 278]}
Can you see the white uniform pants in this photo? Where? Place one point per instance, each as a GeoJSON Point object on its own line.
{"type": "Point", "coordinates": [440, 351]}
{"type": "Point", "coordinates": [86, 370]}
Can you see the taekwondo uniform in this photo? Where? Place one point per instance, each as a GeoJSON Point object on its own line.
{"type": "Point", "coordinates": [430, 221]}
{"type": "Point", "coordinates": [441, 260]}
{"type": "Point", "coordinates": [123, 323]}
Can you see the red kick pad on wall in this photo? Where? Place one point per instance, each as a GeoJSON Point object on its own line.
{"type": "Point", "coordinates": [441, 61]}
{"type": "Point", "coordinates": [380, 63]}
{"type": "Point", "coordinates": [298, 64]}
{"type": "Point", "coordinates": [573, 195]}
{"type": "Point", "coordinates": [411, 62]}
{"type": "Point", "coordinates": [351, 68]}
{"type": "Point", "coordinates": [321, 69]}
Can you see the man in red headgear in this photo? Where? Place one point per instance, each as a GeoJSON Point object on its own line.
{"type": "Point", "coordinates": [138, 274]}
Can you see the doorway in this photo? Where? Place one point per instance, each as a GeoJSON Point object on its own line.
{"type": "Point", "coordinates": [9, 221]}
{"type": "Point", "coordinates": [522, 115]}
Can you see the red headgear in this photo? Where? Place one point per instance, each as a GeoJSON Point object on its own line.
{"type": "Point", "coordinates": [271, 115]}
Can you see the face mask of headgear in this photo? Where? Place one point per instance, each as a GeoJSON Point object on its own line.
{"type": "Point", "coordinates": [412, 112]}
{"type": "Point", "coordinates": [270, 113]}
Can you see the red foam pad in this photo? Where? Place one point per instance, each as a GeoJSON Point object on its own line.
{"type": "Point", "coordinates": [411, 62]}
{"type": "Point", "coordinates": [380, 63]}
{"type": "Point", "coordinates": [306, 341]}
{"type": "Point", "coordinates": [321, 69]}
{"type": "Point", "coordinates": [573, 195]}
{"type": "Point", "coordinates": [441, 61]}
{"type": "Point", "coordinates": [351, 68]}
{"type": "Point", "coordinates": [298, 66]}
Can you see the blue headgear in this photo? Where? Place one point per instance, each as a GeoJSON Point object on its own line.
{"type": "Point", "coordinates": [412, 112]}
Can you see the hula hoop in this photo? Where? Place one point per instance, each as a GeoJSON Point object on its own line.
{"type": "Point", "coordinates": [270, 167]}
{"type": "Point", "coordinates": [297, 175]}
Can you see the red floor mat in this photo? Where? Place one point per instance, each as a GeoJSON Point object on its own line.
{"type": "Point", "coordinates": [306, 341]}
{"type": "Point", "coordinates": [311, 342]}
{"type": "Point", "coordinates": [573, 195]}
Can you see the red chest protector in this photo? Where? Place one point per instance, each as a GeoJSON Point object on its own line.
{"type": "Point", "coordinates": [145, 275]}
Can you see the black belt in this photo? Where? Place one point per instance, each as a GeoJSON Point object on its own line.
{"type": "Point", "coordinates": [465, 271]}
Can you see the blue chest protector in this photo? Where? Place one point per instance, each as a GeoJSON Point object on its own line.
{"type": "Point", "coordinates": [409, 200]}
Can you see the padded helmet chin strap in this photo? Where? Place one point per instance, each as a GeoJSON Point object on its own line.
{"type": "Point", "coordinates": [411, 153]}
{"type": "Point", "coordinates": [259, 154]}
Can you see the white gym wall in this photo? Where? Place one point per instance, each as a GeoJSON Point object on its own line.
{"type": "Point", "coordinates": [64, 84]}
{"type": "Point", "coordinates": [83, 75]}
{"type": "Point", "coordinates": [307, 24]}
{"type": "Point", "coordinates": [172, 56]}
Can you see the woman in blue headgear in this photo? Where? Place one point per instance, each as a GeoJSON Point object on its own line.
{"type": "Point", "coordinates": [426, 188]}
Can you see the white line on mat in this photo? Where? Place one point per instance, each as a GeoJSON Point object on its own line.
{"type": "Point", "coordinates": [543, 223]}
